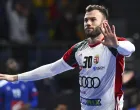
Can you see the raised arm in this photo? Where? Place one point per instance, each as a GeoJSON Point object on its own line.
{"type": "Point", "coordinates": [123, 46]}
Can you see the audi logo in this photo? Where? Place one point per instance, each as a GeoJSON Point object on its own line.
{"type": "Point", "coordinates": [89, 82]}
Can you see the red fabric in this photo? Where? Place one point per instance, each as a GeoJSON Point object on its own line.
{"type": "Point", "coordinates": [1, 99]}
{"type": "Point", "coordinates": [121, 38]}
{"type": "Point", "coordinates": [119, 72]}
{"type": "Point", "coordinates": [93, 45]}
{"type": "Point", "coordinates": [35, 94]}
{"type": "Point", "coordinates": [70, 54]}
{"type": "Point", "coordinates": [16, 105]}
{"type": "Point", "coordinates": [67, 55]}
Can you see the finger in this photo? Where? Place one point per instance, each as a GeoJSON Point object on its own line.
{"type": "Point", "coordinates": [102, 31]}
{"type": "Point", "coordinates": [2, 78]}
{"type": "Point", "coordinates": [113, 29]}
{"type": "Point", "coordinates": [2, 75]}
{"type": "Point", "coordinates": [106, 30]}
{"type": "Point", "coordinates": [108, 27]}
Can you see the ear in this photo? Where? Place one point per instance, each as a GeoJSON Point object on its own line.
{"type": "Point", "coordinates": [105, 21]}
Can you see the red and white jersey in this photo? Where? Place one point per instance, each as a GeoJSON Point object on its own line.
{"type": "Point", "coordinates": [100, 76]}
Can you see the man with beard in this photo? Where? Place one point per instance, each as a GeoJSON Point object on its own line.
{"type": "Point", "coordinates": [100, 58]}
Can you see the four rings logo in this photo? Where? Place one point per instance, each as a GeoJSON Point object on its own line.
{"type": "Point", "coordinates": [89, 82]}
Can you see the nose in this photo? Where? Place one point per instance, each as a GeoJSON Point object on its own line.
{"type": "Point", "coordinates": [88, 23]}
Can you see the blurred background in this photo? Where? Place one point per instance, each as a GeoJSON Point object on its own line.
{"type": "Point", "coordinates": [38, 32]}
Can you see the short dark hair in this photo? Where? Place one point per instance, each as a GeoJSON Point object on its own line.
{"type": "Point", "coordinates": [101, 8]}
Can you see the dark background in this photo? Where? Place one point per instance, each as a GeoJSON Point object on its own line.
{"type": "Point", "coordinates": [53, 33]}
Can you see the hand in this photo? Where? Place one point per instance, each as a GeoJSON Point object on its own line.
{"type": "Point", "coordinates": [110, 38]}
{"type": "Point", "coordinates": [8, 77]}
{"type": "Point", "coordinates": [127, 76]}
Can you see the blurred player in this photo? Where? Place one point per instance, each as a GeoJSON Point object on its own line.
{"type": "Point", "coordinates": [61, 107]}
{"type": "Point", "coordinates": [17, 95]}
{"type": "Point", "coordinates": [100, 58]}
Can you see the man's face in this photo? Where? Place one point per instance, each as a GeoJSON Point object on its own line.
{"type": "Point", "coordinates": [61, 107]}
{"type": "Point", "coordinates": [92, 22]}
{"type": "Point", "coordinates": [12, 66]}
{"type": "Point", "coordinates": [22, 10]}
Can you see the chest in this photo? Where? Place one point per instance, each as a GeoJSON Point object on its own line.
{"type": "Point", "coordinates": [16, 91]}
{"type": "Point", "coordinates": [98, 56]}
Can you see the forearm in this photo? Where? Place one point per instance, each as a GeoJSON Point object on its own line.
{"type": "Point", "coordinates": [125, 48]}
{"type": "Point", "coordinates": [45, 71]}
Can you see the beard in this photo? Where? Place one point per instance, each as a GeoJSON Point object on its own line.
{"type": "Point", "coordinates": [93, 32]}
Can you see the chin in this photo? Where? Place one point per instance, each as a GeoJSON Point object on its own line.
{"type": "Point", "coordinates": [89, 34]}
{"type": "Point", "coordinates": [92, 35]}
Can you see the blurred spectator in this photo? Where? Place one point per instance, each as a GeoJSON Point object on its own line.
{"type": "Point", "coordinates": [51, 85]}
{"type": "Point", "coordinates": [17, 95]}
{"type": "Point", "coordinates": [18, 12]}
{"type": "Point", "coordinates": [131, 91]}
{"type": "Point", "coordinates": [66, 28]}
{"type": "Point", "coordinates": [46, 13]}
{"type": "Point", "coordinates": [3, 22]}
{"type": "Point", "coordinates": [61, 107]}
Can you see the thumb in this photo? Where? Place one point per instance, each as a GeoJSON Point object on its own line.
{"type": "Point", "coordinates": [2, 77]}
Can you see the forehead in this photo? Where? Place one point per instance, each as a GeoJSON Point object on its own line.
{"type": "Point", "coordinates": [94, 13]}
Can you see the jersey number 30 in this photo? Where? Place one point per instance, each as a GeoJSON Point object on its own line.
{"type": "Point", "coordinates": [87, 62]}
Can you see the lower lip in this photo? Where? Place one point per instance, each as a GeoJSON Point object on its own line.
{"type": "Point", "coordinates": [90, 29]}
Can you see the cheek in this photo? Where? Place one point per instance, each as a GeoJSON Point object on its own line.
{"type": "Point", "coordinates": [84, 24]}
{"type": "Point", "coordinates": [95, 24]}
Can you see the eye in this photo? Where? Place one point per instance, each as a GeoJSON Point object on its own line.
{"type": "Point", "coordinates": [92, 19]}
{"type": "Point", "coordinates": [85, 19]}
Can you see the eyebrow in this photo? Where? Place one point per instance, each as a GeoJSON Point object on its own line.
{"type": "Point", "coordinates": [89, 17]}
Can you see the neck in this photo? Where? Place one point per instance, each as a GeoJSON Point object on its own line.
{"type": "Point", "coordinates": [96, 39]}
